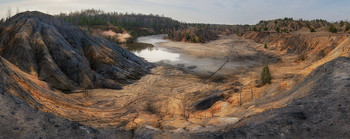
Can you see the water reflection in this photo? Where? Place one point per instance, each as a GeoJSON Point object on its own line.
{"type": "Point", "coordinates": [138, 47]}
{"type": "Point", "coordinates": [149, 48]}
{"type": "Point", "coordinates": [151, 53]}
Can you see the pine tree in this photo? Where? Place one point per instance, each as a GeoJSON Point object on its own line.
{"type": "Point", "coordinates": [277, 29]}
{"type": "Point", "coordinates": [265, 75]}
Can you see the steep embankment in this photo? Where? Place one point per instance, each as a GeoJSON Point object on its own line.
{"type": "Point", "coordinates": [311, 46]}
{"type": "Point", "coordinates": [312, 49]}
{"type": "Point", "coordinates": [64, 56]}
{"type": "Point", "coordinates": [324, 112]}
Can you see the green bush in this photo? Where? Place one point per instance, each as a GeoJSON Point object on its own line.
{"type": "Point", "coordinates": [278, 29]}
{"type": "Point", "coordinates": [312, 30]}
{"type": "Point", "coordinates": [188, 37]}
{"type": "Point", "coordinates": [284, 30]}
{"type": "Point", "coordinates": [347, 27]}
{"type": "Point", "coordinates": [333, 29]}
{"type": "Point", "coordinates": [265, 46]}
{"type": "Point", "coordinates": [265, 28]}
{"type": "Point", "coordinates": [265, 75]}
{"type": "Point", "coordinates": [259, 29]}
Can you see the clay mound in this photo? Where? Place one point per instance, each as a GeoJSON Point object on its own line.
{"type": "Point", "coordinates": [65, 56]}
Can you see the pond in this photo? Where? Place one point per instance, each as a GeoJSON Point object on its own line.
{"type": "Point", "coordinates": [149, 48]}
{"type": "Point", "coordinates": [146, 47]}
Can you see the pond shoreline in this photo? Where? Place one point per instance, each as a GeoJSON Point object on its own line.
{"type": "Point", "coordinates": [199, 59]}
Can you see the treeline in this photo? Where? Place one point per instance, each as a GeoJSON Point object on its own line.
{"type": "Point", "coordinates": [289, 24]}
{"type": "Point", "coordinates": [93, 17]}
{"type": "Point", "coordinates": [135, 25]}
{"type": "Point", "coordinates": [200, 33]}
{"type": "Point", "coordinates": [96, 22]}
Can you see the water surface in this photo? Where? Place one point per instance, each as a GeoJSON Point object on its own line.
{"type": "Point", "coordinates": [146, 47]}
{"type": "Point", "coordinates": [149, 48]}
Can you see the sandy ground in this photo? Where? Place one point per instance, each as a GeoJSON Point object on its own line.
{"type": "Point", "coordinates": [121, 37]}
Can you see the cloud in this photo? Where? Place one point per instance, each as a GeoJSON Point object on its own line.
{"type": "Point", "coordinates": [203, 11]}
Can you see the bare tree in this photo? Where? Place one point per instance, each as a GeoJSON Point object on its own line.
{"type": "Point", "coordinates": [17, 10]}
{"type": "Point", "coordinates": [9, 12]}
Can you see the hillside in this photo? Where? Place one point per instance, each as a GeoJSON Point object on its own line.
{"type": "Point", "coordinates": [64, 56]}
{"type": "Point", "coordinates": [322, 113]}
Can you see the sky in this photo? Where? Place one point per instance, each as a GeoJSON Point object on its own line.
{"type": "Point", "coordinates": [196, 11]}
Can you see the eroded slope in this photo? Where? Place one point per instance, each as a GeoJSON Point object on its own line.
{"type": "Point", "coordinates": [323, 112]}
{"type": "Point", "coordinates": [64, 56]}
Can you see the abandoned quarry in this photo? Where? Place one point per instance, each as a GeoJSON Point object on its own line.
{"type": "Point", "coordinates": [281, 78]}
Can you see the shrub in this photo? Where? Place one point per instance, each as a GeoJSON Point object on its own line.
{"type": "Point", "coordinates": [265, 75]}
{"type": "Point", "coordinates": [255, 29]}
{"type": "Point", "coordinates": [188, 37]}
{"type": "Point", "coordinates": [312, 30]}
{"type": "Point", "coordinates": [284, 30]}
{"type": "Point", "coordinates": [193, 39]}
{"type": "Point", "coordinates": [265, 28]}
{"type": "Point", "coordinates": [278, 29]}
{"type": "Point", "coordinates": [347, 27]}
{"type": "Point", "coordinates": [333, 29]}
{"type": "Point", "coordinates": [265, 46]}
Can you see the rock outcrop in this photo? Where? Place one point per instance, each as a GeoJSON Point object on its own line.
{"type": "Point", "coordinates": [65, 56]}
